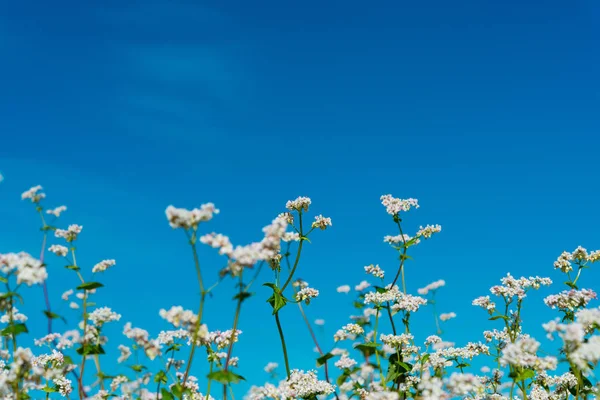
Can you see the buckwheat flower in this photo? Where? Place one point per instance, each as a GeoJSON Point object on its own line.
{"type": "Point", "coordinates": [375, 271]}
{"type": "Point", "coordinates": [301, 203]}
{"type": "Point", "coordinates": [70, 234]}
{"type": "Point", "coordinates": [306, 294]}
{"type": "Point", "coordinates": [396, 341]}
{"type": "Point", "coordinates": [393, 205]}
{"type": "Point", "coordinates": [291, 237]}
{"type": "Point", "coordinates": [300, 283]}
{"type": "Point", "coordinates": [432, 339]}
{"type": "Point", "coordinates": [342, 335]}
{"type": "Point", "coordinates": [319, 322]}
{"type": "Point", "coordinates": [305, 385]}
{"type": "Point", "coordinates": [125, 353]}
{"type": "Point", "coordinates": [409, 303]}
{"type": "Point", "coordinates": [64, 385]}
{"type": "Point", "coordinates": [580, 254]}
{"type": "Point", "coordinates": [117, 381]}
{"type": "Point", "coordinates": [563, 262]}
{"type": "Point", "coordinates": [594, 256]}
{"type": "Point", "coordinates": [587, 353]}
{"type": "Point", "coordinates": [16, 316]}
{"type": "Point", "coordinates": [345, 362]}
{"type": "Point", "coordinates": [102, 315]}
{"type": "Point", "coordinates": [270, 367]}
{"type": "Point", "coordinates": [59, 250]}
{"type": "Point", "coordinates": [103, 266]}
{"type": "Point", "coordinates": [57, 211]}
{"type": "Point", "coordinates": [34, 194]}
{"type": "Point", "coordinates": [321, 222]}
{"type": "Point", "coordinates": [570, 300]}
{"type": "Point", "coordinates": [73, 305]}
{"type": "Point", "coordinates": [464, 384]}
{"type": "Point", "coordinates": [177, 316]}
{"type": "Point", "coordinates": [287, 216]}
{"type": "Point", "coordinates": [486, 303]}
{"type": "Point", "coordinates": [354, 329]}
{"type": "Point", "coordinates": [447, 316]}
{"type": "Point", "coordinates": [521, 353]}
{"type": "Point", "coordinates": [362, 286]}
{"type": "Point", "coordinates": [48, 339]}
{"type": "Point", "coordinates": [168, 337]}
{"type": "Point", "coordinates": [432, 287]}
{"type": "Point", "coordinates": [429, 230]}
{"type": "Point", "coordinates": [343, 289]}
{"type": "Point", "coordinates": [186, 219]}
{"type": "Point", "coordinates": [589, 318]}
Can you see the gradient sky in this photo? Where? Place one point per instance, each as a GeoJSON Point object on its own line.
{"type": "Point", "coordinates": [486, 111]}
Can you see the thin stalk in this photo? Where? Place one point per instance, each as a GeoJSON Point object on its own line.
{"type": "Point", "coordinates": [192, 241]}
{"type": "Point", "coordinates": [236, 318]}
{"type": "Point", "coordinates": [285, 355]}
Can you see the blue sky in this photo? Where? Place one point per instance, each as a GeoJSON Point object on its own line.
{"type": "Point", "coordinates": [487, 112]}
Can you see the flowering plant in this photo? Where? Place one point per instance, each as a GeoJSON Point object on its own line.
{"type": "Point", "coordinates": [383, 359]}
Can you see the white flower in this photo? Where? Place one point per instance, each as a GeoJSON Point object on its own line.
{"type": "Point", "coordinates": [432, 287]}
{"type": "Point", "coordinates": [34, 194]}
{"type": "Point", "coordinates": [301, 203]}
{"type": "Point", "coordinates": [375, 271]}
{"type": "Point", "coordinates": [102, 315]}
{"type": "Point", "coordinates": [103, 266]}
{"type": "Point", "coordinates": [345, 362]}
{"type": "Point", "coordinates": [57, 211]}
{"type": "Point", "coordinates": [270, 367]}
{"type": "Point", "coordinates": [70, 234]}
{"type": "Point", "coordinates": [186, 219]}
{"type": "Point", "coordinates": [447, 316]}
{"type": "Point", "coordinates": [429, 230]}
{"type": "Point", "coordinates": [343, 289]}
{"type": "Point", "coordinates": [59, 250]}
{"type": "Point", "coordinates": [306, 294]}
{"type": "Point", "coordinates": [125, 353]}
{"type": "Point", "coordinates": [321, 222]}
{"type": "Point", "coordinates": [393, 205]}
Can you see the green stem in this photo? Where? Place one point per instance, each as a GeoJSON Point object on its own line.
{"type": "Point", "coordinates": [285, 355]}
{"type": "Point", "coordinates": [287, 282]}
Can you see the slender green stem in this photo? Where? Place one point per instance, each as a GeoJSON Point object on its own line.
{"type": "Point", "coordinates": [285, 355]}
{"type": "Point", "coordinates": [236, 318]}
{"type": "Point", "coordinates": [289, 279]}
{"type": "Point", "coordinates": [376, 352]}
{"type": "Point", "coordinates": [192, 241]}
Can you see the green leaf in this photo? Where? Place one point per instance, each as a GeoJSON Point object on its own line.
{"type": "Point", "coordinates": [225, 377]}
{"type": "Point", "coordinates": [525, 374]}
{"type": "Point", "coordinates": [504, 317]}
{"type": "Point", "coordinates": [161, 376]}
{"type": "Point", "coordinates": [323, 359]}
{"type": "Point", "coordinates": [90, 349]}
{"type": "Point", "coordinates": [49, 389]}
{"type": "Point", "coordinates": [14, 330]}
{"type": "Point", "coordinates": [73, 267]}
{"type": "Point", "coordinates": [242, 296]}
{"type": "Point", "coordinates": [367, 348]}
{"type": "Point", "coordinates": [138, 367]}
{"type": "Point", "coordinates": [571, 285]}
{"type": "Point", "coordinates": [166, 395]}
{"type": "Point", "coordinates": [89, 286]}
{"type": "Point", "coordinates": [3, 279]}
{"type": "Point", "coordinates": [277, 301]}
{"type": "Point", "coordinates": [52, 315]}
{"type": "Point", "coordinates": [10, 295]}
